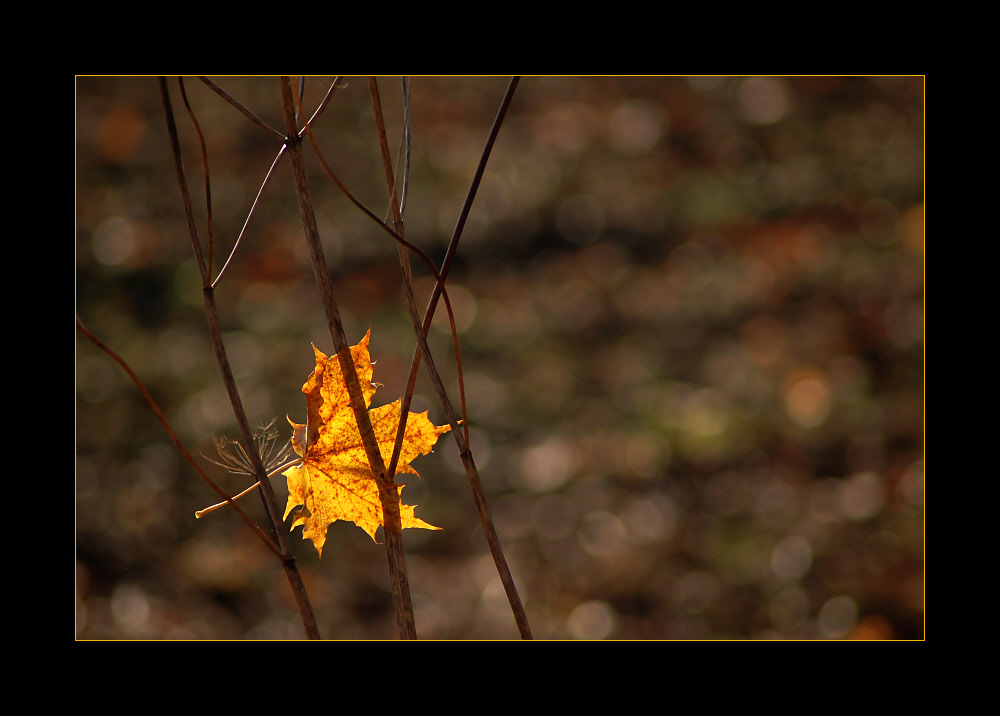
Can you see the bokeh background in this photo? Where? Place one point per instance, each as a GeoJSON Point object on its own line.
{"type": "Point", "coordinates": [691, 315]}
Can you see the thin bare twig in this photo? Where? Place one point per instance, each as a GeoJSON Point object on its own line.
{"type": "Point", "coordinates": [404, 259]}
{"type": "Point", "coordinates": [176, 440]}
{"type": "Point", "coordinates": [388, 494]}
{"type": "Point", "coordinates": [210, 224]}
{"type": "Point", "coordinates": [368, 212]}
{"type": "Point", "coordinates": [334, 86]}
{"type": "Point", "coordinates": [478, 493]}
{"type": "Point", "coordinates": [215, 329]}
{"type": "Point", "coordinates": [238, 105]}
{"type": "Point", "coordinates": [267, 179]}
{"type": "Point", "coordinates": [253, 208]}
{"type": "Point", "coordinates": [407, 145]}
{"type": "Point", "coordinates": [440, 289]}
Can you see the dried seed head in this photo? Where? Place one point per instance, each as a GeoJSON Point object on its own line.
{"type": "Point", "coordinates": [236, 459]}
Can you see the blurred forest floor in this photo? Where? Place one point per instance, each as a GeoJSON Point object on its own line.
{"type": "Point", "coordinates": [691, 315]}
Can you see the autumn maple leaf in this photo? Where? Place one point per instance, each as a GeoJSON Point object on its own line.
{"type": "Point", "coordinates": [334, 481]}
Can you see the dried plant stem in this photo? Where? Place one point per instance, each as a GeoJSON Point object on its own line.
{"type": "Point", "coordinates": [208, 184]}
{"type": "Point", "coordinates": [238, 105]}
{"type": "Point", "coordinates": [274, 164]}
{"type": "Point", "coordinates": [277, 471]}
{"type": "Point", "coordinates": [387, 490]}
{"type": "Point", "coordinates": [461, 437]}
{"type": "Point", "coordinates": [253, 208]}
{"type": "Point", "coordinates": [176, 440]}
{"type": "Point", "coordinates": [215, 329]}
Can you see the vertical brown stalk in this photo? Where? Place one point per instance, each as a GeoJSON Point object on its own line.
{"type": "Point", "coordinates": [267, 492]}
{"type": "Point", "coordinates": [387, 491]}
{"type": "Point", "coordinates": [465, 452]}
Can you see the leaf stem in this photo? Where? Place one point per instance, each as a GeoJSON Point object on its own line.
{"type": "Point", "coordinates": [276, 471]}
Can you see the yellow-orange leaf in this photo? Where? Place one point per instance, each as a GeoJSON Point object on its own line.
{"type": "Point", "coordinates": [334, 481]}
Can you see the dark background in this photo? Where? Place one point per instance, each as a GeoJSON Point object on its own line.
{"type": "Point", "coordinates": [691, 316]}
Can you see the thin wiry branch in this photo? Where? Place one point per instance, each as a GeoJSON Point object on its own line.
{"type": "Point", "coordinates": [208, 181]}
{"type": "Point", "coordinates": [465, 452]}
{"type": "Point", "coordinates": [173, 436]}
{"type": "Point", "coordinates": [334, 86]}
{"type": "Point", "coordinates": [270, 172]}
{"type": "Point", "coordinates": [238, 105]}
{"type": "Point", "coordinates": [404, 259]}
{"type": "Point", "coordinates": [253, 208]}
{"type": "Point", "coordinates": [407, 143]}
{"type": "Point", "coordinates": [388, 494]}
{"type": "Point", "coordinates": [479, 495]}
{"type": "Point", "coordinates": [439, 288]}
{"type": "Point", "coordinates": [218, 346]}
